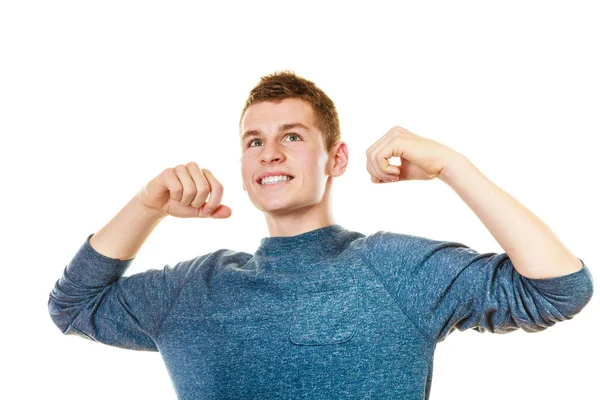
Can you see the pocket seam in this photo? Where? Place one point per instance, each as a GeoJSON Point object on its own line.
{"type": "Point", "coordinates": [351, 332]}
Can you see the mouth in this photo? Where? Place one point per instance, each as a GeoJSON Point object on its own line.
{"type": "Point", "coordinates": [274, 183]}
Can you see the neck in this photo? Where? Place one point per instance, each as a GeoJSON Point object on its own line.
{"type": "Point", "coordinates": [301, 220]}
{"type": "Point", "coordinates": [308, 252]}
{"type": "Point", "coordinates": [292, 225]}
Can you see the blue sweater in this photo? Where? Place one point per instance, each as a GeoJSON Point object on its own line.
{"type": "Point", "coordinates": [327, 314]}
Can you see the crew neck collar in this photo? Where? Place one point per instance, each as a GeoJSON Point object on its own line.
{"type": "Point", "coordinates": [300, 252]}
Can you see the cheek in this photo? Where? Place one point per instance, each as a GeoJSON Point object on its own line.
{"type": "Point", "coordinates": [245, 167]}
{"type": "Point", "coordinates": [246, 177]}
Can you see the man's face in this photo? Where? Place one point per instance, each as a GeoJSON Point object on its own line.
{"type": "Point", "coordinates": [297, 151]}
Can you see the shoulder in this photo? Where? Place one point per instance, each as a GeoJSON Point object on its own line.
{"type": "Point", "coordinates": [200, 267]}
{"type": "Point", "coordinates": [382, 239]}
{"type": "Point", "coordinates": [213, 260]}
{"type": "Point", "coordinates": [383, 245]}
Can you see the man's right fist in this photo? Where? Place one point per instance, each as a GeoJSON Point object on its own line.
{"type": "Point", "coordinates": [182, 192]}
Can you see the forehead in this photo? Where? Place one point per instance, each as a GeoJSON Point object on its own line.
{"type": "Point", "coordinates": [267, 116]}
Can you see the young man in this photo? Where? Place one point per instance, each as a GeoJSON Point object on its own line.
{"type": "Point", "coordinates": [318, 311]}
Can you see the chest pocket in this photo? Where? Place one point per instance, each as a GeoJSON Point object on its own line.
{"type": "Point", "coordinates": [325, 311]}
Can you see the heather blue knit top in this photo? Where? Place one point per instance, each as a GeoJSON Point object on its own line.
{"type": "Point", "coordinates": [327, 314]}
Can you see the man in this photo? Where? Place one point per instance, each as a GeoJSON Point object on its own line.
{"type": "Point", "coordinates": [318, 311]}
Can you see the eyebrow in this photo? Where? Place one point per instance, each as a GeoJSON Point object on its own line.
{"type": "Point", "coordinates": [281, 128]}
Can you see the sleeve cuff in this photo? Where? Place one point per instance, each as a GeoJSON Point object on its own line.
{"type": "Point", "coordinates": [583, 273]}
{"type": "Point", "coordinates": [90, 268]}
{"type": "Point", "coordinates": [569, 292]}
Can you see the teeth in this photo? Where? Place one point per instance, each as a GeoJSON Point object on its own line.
{"type": "Point", "coordinates": [274, 179]}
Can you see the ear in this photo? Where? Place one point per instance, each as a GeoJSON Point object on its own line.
{"type": "Point", "coordinates": [338, 159]}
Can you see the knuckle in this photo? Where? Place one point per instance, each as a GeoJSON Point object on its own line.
{"type": "Point", "coordinates": [196, 203]}
{"type": "Point", "coordinates": [177, 190]}
{"type": "Point", "coordinates": [203, 190]}
{"type": "Point", "coordinates": [176, 194]}
{"type": "Point", "coordinates": [398, 131]}
{"type": "Point", "coordinates": [217, 188]}
{"type": "Point", "coordinates": [190, 194]}
{"type": "Point", "coordinates": [169, 171]}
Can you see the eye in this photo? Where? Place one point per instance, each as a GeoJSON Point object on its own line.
{"type": "Point", "coordinates": [289, 135]}
{"type": "Point", "coordinates": [294, 134]}
{"type": "Point", "coordinates": [252, 141]}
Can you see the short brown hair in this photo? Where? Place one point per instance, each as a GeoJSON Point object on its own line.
{"type": "Point", "coordinates": [286, 84]}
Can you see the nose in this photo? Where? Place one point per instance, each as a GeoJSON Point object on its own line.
{"type": "Point", "coordinates": [272, 152]}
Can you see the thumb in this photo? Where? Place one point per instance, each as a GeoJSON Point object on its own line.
{"type": "Point", "coordinates": [221, 212]}
{"type": "Point", "coordinates": [376, 180]}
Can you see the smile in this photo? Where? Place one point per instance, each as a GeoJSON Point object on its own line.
{"type": "Point", "coordinates": [274, 180]}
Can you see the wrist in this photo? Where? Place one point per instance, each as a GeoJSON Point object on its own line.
{"type": "Point", "coordinates": [456, 165]}
{"type": "Point", "coordinates": [145, 211]}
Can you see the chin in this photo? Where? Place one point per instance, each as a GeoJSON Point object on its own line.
{"type": "Point", "coordinates": [275, 209]}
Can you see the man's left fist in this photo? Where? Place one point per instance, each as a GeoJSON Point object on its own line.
{"type": "Point", "coordinates": [420, 158]}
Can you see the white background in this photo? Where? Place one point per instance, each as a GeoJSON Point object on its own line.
{"type": "Point", "coordinates": [97, 98]}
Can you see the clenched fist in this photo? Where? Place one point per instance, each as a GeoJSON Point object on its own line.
{"type": "Point", "coordinates": [182, 192]}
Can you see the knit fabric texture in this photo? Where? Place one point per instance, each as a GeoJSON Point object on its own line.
{"type": "Point", "coordinates": [327, 314]}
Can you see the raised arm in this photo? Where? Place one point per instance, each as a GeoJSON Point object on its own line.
{"type": "Point", "coordinates": [534, 284]}
{"type": "Point", "coordinates": [534, 250]}
{"type": "Point", "coordinates": [94, 300]}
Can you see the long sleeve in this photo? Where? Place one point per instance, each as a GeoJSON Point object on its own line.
{"type": "Point", "coordinates": [442, 286]}
{"type": "Point", "coordinates": [94, 300]}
